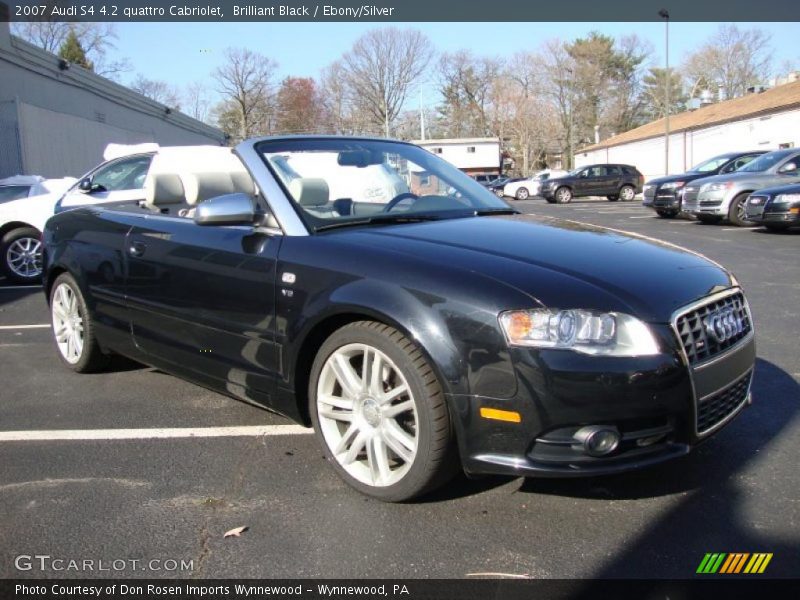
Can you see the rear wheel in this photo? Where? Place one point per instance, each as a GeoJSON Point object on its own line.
{"type": "Point", "coordinates": [380, 414]}
{"type": "Point", "coordinates": [666, 214]}
{"type": "Point", "coordinates": [737, 214]}
{"type": "Point", "coordinates": [709, 219]}
{"type": "Point", "coordinates": [73, 328]}
{"type": "Point", "coordinates": [627, 193]}
{"type": "Point", "coordinates": [21, 250]}
{"type": "Point", "coordinates": [522, 194]}
{"type": "Point", "coordinates": [563, 195]}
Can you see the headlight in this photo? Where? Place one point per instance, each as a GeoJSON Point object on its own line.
{"type": "Point", "coordinates": [590, 332]}
{"type": "Point", "coordinates": [715, 187]}
{"type": "Point", "coordinates": [786, 198]}
{"type": "Point", "coordinates": [673, 185]}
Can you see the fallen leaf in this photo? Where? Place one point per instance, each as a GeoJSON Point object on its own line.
{"type": "Point", "coordinates": [235, 532]}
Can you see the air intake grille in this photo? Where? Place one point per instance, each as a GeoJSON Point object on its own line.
{"type": "Point", "coordinates": [693, 328]}
{"type": "Point", "coordinates": [716, 408]}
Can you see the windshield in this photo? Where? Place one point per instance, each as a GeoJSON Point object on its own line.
{"type": "Point", "coordinates": [711, 164]}
{"type": "Point", "coordinates": [764, 162]}
{"type": "Point", "coordinates": [13, 192]}
{"type": "Point", "coordinates": [336, 181]}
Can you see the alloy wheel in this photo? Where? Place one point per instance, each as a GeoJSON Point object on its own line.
{"type": "Point", "coordinates": [67, 323]}
{"type": "Point", "coordinates": [367, 415]}
{"type": "Point", "coordinates": [24, 257]}
{"type": "Point", "coordinates": [627, 193]}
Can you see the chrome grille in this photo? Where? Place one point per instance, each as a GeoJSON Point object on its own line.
{"type": "Point", "coordinates": [697, 342]}
{"type": "Point", "coordinates": [718, 407]}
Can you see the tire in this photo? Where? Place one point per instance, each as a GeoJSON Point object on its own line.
{"type": "Point", "coordinates": [612, 197]}
{"type": "Point", "coordinates": [627, 193]}
{"type": "Point", "coordinates": [563, 195]}
{"type": "Point", "coordinates": [709, 219]}
{"type": "Point", "coordinates": [736, 212]}
{"type": "Point", "coordinates": [522, 194]}
{"type": "Point", "coordinates": [666, 214]}
{"type": "Point", "coordinates": [21, 250]}
{"type": "Point", "coordinates": [413, 449]}
{"type": "Point", "coordinates": [73, 327]}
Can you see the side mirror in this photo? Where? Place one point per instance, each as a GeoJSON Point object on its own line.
{"type": "Point", "coordinates": [230, 209]}
{"type": "Point", "coordinates": [85, 185]}
{"type": "Point", "coordinates": [790, 168]}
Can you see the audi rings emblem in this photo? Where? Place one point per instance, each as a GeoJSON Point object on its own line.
{"type": "Point", "coordinates": [724, 324]}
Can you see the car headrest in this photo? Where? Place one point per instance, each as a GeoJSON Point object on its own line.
{"type": "Point", "coordinates": [309, 191]}
{"type": "Point", "coordinates": [242, 182]}
{"type": "Point", "coordinates": [162, 189]}
{"type": "Point", "coordinates": [202, 186]}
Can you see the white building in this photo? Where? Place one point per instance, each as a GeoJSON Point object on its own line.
{"type": "Point", "coordinates": [474, 156]}
{"type": "Point", "coordinates": [758, 121]}
{"type": "Point", "coordinates": [56, 118]}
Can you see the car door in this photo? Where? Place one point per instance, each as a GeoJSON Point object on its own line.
{"type": "Point", "coordinates": [738, 163]}
{"type": "Point", "coordinates": [119, 181]}
{"type": "Point", "coordinates": [202, 302]}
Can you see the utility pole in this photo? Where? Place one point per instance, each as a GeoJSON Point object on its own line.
{"type": "Point", "coordinates": [664, 14]}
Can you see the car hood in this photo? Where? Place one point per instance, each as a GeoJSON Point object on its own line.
{"type": "Point", "coordinates": [681, 177]}
{"type": "Point", "coordinates": [562, 264]}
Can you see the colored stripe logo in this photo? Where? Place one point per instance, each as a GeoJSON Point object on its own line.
{"type": "Point", "coordinates": [734, 563]}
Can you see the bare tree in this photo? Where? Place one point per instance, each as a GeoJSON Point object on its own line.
{"type": "Point", "coordinates": [466, 84]}
{"type": "Point", "coordinates": [245, 83]}
{"type": "Point", "coordinates": [732, 60]}
{"type": "Point", "coordinates": [196, 101]}
{"type": "Point", "coordinates": [558, 78]}
{"type": "Point", "coordinates": [96, 39]}
{"type": "Point", "coordinates": [160, 91]}
{"type": "Point", "coordinates": [382, 68]}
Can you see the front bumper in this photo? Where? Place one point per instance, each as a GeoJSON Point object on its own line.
{"type": "Point", "coordinates": [661, 405]}
{"type": "Point", "coordinates": [706, 203]}
{"type": "Point", "coordinates": [761, 209]}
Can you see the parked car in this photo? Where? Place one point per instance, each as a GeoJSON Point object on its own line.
{"type": "Point", "coordinates": [485, 178]}
{"type": "Point", "coordinates": [27, 186]}
{"type": "Point", "coordinates": [524, 188]}
{"type": "Point", "coordinates": [665, 194]}
{"type": "Point", "coordinates": [22, 220]}
{"type": "Point", "coordinates": [776, 208]}
{"type": "Point", "coordinates": [497, 186]}
{"type": "Point", "coordinates": [714, 199]}
{"type": "Point", "coordinates": [612, 181]}
{"type": "Point", "coordinates": [432, 331]}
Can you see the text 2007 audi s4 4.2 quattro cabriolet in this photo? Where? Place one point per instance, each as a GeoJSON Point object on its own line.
{"type": "Point", "coordinates": [368, 288]}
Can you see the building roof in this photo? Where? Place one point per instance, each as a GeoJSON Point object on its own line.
{"type": "Point", "coordinates": [779, 98]}
{"type": "Point", "coordinates": [449, 141]}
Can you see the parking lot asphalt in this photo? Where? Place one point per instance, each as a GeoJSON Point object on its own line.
{"type": "Point", "coordinates": [173, 498]}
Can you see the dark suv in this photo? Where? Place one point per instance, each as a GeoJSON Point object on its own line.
{"type": "Point", "coordinates": [612, 181]}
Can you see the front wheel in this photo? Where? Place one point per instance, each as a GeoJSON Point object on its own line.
{"type": "Point", "coordinates": [563, 195]}
{"type": "Point", "coordinates": [380, 414]}
{"type": "Point", "coordinates": [737, 214]}
{"type": "Point", "coordinates": [21, 250]}
{"type": "Point", "coordinates": [627, 193]}
{"type": "Point", "coordinates": [73, 328]}
{"type": "Point", "coordinates": [522, 194]}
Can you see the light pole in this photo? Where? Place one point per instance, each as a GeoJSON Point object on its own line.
{"type": "Point", "coordinates": [664, 14]}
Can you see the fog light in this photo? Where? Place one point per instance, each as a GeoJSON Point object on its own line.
{"type": "Point", "coordinates": [598, 440]}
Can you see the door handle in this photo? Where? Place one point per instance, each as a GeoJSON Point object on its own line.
{"type": "Point", "coordinates": [137, 248]}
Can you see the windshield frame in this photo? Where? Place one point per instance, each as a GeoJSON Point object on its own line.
{"type": "Point", "coordinates": [446, 172]}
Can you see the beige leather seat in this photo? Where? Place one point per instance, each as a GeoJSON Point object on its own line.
{"type": "Point", "coordinates": [313, 194]}
{"type": "Point", "coordinates": [164, 192]}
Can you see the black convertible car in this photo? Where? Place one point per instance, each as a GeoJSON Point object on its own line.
{"type": "Point", "coordinates": [421, 325]}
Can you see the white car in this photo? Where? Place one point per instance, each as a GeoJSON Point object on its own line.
{"type": "Point", "coordinates": [26, 186]}
{"type": "Point", "coordinates": [121, 178]}
{"type": "Point", "coordinates": [524, 189]}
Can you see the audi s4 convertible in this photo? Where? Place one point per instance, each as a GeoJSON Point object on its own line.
{"type": "Point", "coordinates": [369, 289]}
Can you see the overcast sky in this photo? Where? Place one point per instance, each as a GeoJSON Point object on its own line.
{"type": "Point", "coordinates": [181, 53]}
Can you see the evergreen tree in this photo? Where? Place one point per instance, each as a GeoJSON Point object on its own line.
{"type": "Point", "coordinates": [72, 51]}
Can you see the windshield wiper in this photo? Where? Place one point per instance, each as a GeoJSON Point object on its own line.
{"type": "Point", "coordinates": [379, 220]}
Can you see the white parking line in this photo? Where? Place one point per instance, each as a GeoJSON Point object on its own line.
{"type": "Point", "coordinates": [36, 326]}
{"type": "Point", "coordinates": [155, 433]}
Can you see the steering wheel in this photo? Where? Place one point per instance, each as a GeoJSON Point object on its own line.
{"type": "Point", "coordinates": [398, 199]}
